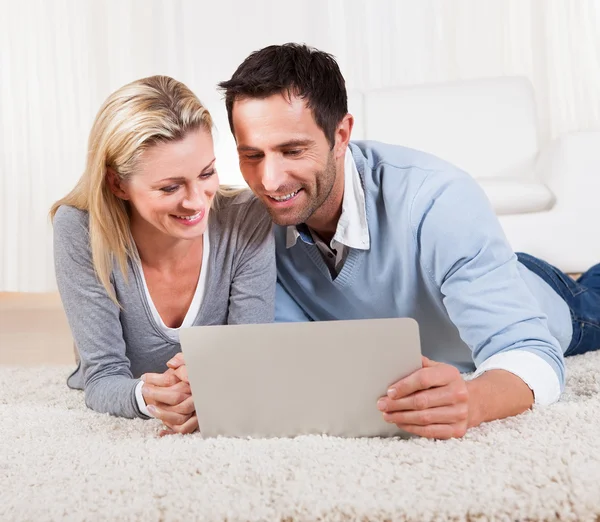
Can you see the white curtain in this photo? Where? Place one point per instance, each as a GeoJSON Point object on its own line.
{"type": "Point", "coordinates": [555, 43]}
{"type": "Point", "coordinates": [59, 59]}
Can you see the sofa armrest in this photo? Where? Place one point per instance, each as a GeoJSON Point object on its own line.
{"type": "Point", "coordinates": [570, 168]}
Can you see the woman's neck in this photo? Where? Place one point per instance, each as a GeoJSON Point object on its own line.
{"type": "Point", "coordinates": [162, 252]}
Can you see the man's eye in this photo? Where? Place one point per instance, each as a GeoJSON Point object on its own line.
{"type": "Point", "coordinates": [253, 156]}
{"type": "Point", "coordinates": [170, 189]}
{"type": "Point", "coordinates": [293, 152]}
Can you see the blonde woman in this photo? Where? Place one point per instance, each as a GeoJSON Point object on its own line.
{"type": "Point", "coordinates": [146, 243]}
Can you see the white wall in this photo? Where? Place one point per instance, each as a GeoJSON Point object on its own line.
{"type": "Point", "coordinates": [59, 59]}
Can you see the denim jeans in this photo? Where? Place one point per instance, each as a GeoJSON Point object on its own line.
{"type": "Point", "coordinates": [582, 297]}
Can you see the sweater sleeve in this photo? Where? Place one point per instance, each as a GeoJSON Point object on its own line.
{"type": "Point", "coordinates": [252, 292]}
{"type": "Point", "coordinates": [93, 317]}
{"type": "Point", "coordinates": [465, 253]}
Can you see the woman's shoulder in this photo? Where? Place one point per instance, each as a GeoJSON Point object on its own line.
{"type": "Point", "coordinates": [239, 207]}
{"type": "Point", "coordinates": [70, 218]}
{"type": "Point", "coordinates": [71, 227]}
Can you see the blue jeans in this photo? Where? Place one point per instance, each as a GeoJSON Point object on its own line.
{"type": "Point", "coordinates": [582, 297]}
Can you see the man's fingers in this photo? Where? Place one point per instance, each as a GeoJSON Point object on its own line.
{"type": "Point", "coordinates": [176, 361]}
{"type": "Point", "coordinates": [444, 415]}
{"type": "Point", "coordinates": [423, 379]}
{"type": "Point", "coordinates": [160, 379]}
{"type": "Point", "coordinates": [436, 431]}
{"type": "Point", "coordinates": [455, 392]}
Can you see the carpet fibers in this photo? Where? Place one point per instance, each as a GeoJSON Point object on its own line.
{"type": "Point", "coordinates": [61, 461]}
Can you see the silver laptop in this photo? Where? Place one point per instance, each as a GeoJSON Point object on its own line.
{"type": "Point", "coordinates": [289, 379]}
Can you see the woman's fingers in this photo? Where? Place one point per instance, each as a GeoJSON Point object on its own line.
{"type": "Point", "coordinates": [169, 378]}
{"type": "Point", "coordinates": [189, 426]}
{"type": "Point", "coordinates": [184, 408]}
{"type": "Point", "coordinates": [182, 373]}
{"type": "Point", "coordinates": [172, 395]}
{"type": "Point", "coordinates": [170, 418]}
{"type": "Point", "coordinates": [176, 361]}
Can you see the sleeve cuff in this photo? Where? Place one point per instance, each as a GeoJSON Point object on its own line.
{"type": "Point", "coordinates": [537, 373]}
{"type": "Point", "coordinates": [140, 400]}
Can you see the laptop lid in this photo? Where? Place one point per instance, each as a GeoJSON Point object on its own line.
{"type": "Point", "coordinates": [288, 379]}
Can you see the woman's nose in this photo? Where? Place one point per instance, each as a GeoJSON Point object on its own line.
{"type": "Point", "coordinates": [194, 198]}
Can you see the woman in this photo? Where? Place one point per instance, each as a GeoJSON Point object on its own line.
{"type": "Point", "coordinates": [147, 243]}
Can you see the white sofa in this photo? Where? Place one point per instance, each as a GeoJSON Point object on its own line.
{"type": "Point", "coordinates": [548, 201]}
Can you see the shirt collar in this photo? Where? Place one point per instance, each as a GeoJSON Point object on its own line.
{"type": "Point", "coordinates": [352, 229]}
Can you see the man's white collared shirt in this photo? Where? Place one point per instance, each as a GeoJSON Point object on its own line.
{"type": "Point", "coordinates": [352, 230]}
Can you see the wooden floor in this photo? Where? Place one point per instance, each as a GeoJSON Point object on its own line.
{"type": "Point", "coordinates": [34, 330]}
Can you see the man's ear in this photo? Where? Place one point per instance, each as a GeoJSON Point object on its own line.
{"type": "Point", "coordinates": [115, 184]}
{"type": "Point", "coordinates": [342, 135]}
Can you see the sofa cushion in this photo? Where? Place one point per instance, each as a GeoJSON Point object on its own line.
{"type": "Point", "coordinates": [510, 196]}
{"type": "Point", "coordinates": [486, 127]}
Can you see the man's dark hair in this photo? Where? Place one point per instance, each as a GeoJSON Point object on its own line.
{"type": "Point", "coordinates": [292, 69]}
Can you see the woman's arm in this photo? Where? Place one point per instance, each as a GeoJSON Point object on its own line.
{"type": "Point", "coordinates": [252, 292]}
{"type": "Point", "coordinates": [93, 318]}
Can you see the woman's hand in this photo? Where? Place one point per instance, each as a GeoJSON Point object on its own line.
{"type": "Point", "coordinates": [177, 365]}
{"type": "Point", "coordinates": [169, 399]}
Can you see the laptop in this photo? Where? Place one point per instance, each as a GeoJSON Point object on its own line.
{"type": "Point", "coordinates": [290, 379]}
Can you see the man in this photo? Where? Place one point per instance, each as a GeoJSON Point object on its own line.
{"type": "Point", "coordinates": [373, 230]}
{"type": "Point", "coordinates": [368, 230]}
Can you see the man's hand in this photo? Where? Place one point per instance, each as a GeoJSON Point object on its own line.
{"type": "Point", "coordinates": [169, 399]}
{"type": "Point", "coordinates": [432, 402]}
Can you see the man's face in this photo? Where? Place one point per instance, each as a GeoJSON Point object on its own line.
{"type": "Point", "coordinates": [284, 156]}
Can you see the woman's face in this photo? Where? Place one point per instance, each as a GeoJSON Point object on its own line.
{"type": "Point", "coordinates": [174, 186]}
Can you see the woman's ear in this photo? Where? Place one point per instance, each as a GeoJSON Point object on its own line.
{"type": "Point", "coordinates": [115, 184]}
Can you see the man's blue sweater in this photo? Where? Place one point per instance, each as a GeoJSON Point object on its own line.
{"type": "Point", "coordinates": [437, 254]}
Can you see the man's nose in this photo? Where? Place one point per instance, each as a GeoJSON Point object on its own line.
{"type": "Point", "coordinates": [272, 175]}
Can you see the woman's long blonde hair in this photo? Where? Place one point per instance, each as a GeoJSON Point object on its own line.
{"type": "Point", "coordinates": [135, 117]}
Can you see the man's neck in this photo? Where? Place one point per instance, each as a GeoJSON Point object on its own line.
{"type": "Point", "coordinates": [325, 227]}
{"type": "Point", "coordinates": [324, 220]}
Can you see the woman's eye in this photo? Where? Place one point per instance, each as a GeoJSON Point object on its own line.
{"type": "Point", "coordinates": [170, 189]}
{"type": "Point", "coordinates": [207, 175]}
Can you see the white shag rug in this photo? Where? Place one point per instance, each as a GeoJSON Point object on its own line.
{"type": "Point", "coordinates": [61, 461]}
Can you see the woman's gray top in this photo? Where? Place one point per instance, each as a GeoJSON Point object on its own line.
{"type": "Point", "coordinates": [117, 346]}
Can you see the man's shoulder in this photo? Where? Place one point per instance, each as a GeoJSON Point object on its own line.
{"type": "Point", "coordinates": [400, 174]}
{"type": "Point", "coordinates": [378, 158]}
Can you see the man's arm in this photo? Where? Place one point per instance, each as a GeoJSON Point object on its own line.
{"type": "Point", "coordinates": [436, 402]}
{"type": "Point", "coordinates": [497, 394]}
{"type": "Point", "coordinates": [463, 251]}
